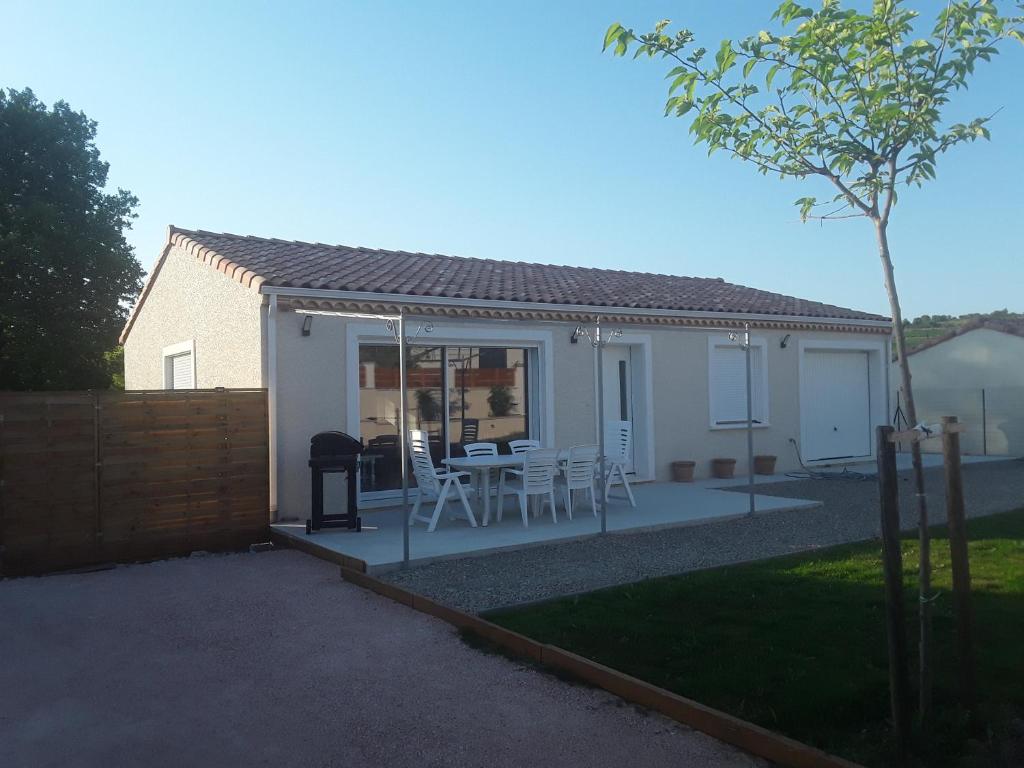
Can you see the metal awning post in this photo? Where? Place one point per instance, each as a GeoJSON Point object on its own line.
{"type": "Point", "coordinates": [598, 339]}
{"type": "Point", "coordinates": [750, 418]}
{"type": "Point", "coordinates": [403, 400]}
{"type": "Point", "coordinates": [599, 345]}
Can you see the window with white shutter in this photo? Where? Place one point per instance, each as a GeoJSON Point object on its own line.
{"type": "Point", "coordinates": [181, 371]}
{"type": "Point", "coordinates": [180, 366]}
{"type": "Point", "coordinates": [727, 381]}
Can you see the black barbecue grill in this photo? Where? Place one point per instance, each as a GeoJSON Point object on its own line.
{"type": "Point", "coordinates": [334, 452]}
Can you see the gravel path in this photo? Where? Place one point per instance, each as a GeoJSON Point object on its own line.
{"type": "Point", "coordinates": [270, 659]}
{"type": "Point", "coordinates": [850, 513]}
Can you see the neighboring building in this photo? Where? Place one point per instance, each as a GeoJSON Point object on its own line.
{"type": "Point", "coordinates": [977, 374]}
{"type": "Point", "coordinates": [495, 355]}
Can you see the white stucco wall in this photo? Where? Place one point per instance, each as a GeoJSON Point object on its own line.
{"type": "Point", "coordinates": [312, 392]}
{"type": "Point", "coordinates": [978, 358]}
{"type": "Point", "coordinates": [191, 301]}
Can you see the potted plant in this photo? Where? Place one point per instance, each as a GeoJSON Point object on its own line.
{"type": "Point", "coordinates": [501, 400]}
{"type": "Point", "coordinates": [764, 465]}
{"type": "Point", "coordinates": [723, 469]}
{"type": "Point", "coordinates": [682, 471]}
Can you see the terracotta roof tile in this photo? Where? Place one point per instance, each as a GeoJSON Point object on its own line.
{"type": "Point", "coordinates": [290, 264]}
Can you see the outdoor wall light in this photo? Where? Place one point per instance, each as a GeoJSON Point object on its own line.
{"type": "Point", "coordinates": [307, 324]}
{"type": "Point", "coordinates": [574, 339]}
{"type": "Point", "coordinates": [785, 342]}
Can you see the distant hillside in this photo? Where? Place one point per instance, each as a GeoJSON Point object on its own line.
{"type": "Point", "coordinates": [922, 329]}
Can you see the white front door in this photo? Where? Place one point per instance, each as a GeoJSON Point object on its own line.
{"type": "Point", "coordinates": [618, 391]}
{"type": "Point", "coordinates": [835, 404]}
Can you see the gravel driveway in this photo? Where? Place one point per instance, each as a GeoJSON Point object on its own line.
{"type": "Point", "coordinates": [269, 659]}
{"type": "Point", "coordinates": [850, 513]}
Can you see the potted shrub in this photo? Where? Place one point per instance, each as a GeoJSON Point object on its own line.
{"type": "Point", "coordinates": [764, 465]}
{"type": "Point", "coordinates": [682, 471]}
{"type": "Point", "coordinates": [723, 469]}
{"type": "Point", "coordinates": [501, 400]}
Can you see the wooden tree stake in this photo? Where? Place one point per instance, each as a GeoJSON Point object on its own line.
{"type": "Point", "coordinates": [959, 559]}
{"type": "Point", "coordinates": [892, 566]}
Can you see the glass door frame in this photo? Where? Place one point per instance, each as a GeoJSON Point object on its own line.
{"type": "Point", "coordinates": [540, 385]}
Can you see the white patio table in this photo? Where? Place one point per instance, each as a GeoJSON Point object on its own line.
{"type": "Point", "coordinates": [481, 466]}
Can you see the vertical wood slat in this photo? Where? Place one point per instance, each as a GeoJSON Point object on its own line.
{"type": "Point", "coordinates": [164, 477]}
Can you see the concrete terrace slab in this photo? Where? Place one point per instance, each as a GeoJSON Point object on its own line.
{"type": "Point", "coordinates": [659, 505]}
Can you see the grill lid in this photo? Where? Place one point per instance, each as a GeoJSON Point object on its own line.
{"type": "Point", "coordinates": [333, 444]}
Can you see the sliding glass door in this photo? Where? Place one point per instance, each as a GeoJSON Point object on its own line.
{"type": "Point", "coordinates": [457, 395]}
{"type": "Point", "coordinates": [488, 399]}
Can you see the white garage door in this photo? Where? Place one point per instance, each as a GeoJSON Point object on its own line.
{"type": "Point", "coordinates": [835, 405]}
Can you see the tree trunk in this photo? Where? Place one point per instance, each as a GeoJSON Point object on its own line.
{"type": "Point", "coordinates": [924, 565]}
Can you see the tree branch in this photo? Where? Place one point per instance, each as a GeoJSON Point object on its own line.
{"type": "Point", "coordinates": [848, 123]}
{"type": "Point", "coordinates": [849, 194]}
{"type": "Point", "coordinates": [890, 195]}
{"type": "Point", "coordinates": [793, 153]}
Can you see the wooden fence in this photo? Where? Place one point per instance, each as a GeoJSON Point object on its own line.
{"type": "Point", "coordinates": [93, 477]}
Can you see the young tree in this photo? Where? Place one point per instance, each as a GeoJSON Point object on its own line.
{"type": "Point", "coordinates": [66, 269]}
{"type": "Point", "coordinates": [854, 98]}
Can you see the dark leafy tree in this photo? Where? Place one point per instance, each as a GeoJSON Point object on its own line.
{"type": "Point", "coordinates": [854, 99]}
{"type": "Point", "coordinates": [67, 273]}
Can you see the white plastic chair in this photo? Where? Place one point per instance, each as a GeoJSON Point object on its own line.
{"type": "Point", "coordinates": [470, 430]}
{"type": "Point", "coordinates": [439, 484]}
{"type": "Point", "coordinates": [536, 478]}
{"type": "Point", "coordinates": [579, 474]}
{"type": "Point", "coordinates": [481, 449]}
{"type": "Point", "coordinates": [618, 447]}
{"type": "Point", "coordinates": [522, 446]}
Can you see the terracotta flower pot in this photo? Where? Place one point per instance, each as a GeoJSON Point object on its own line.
{"type": "Point", "coordinates": [764, 465]}
{"type": "Point", "coordinates": [723, 469]}
{"type": "Point", "coordinates": [682, 471]}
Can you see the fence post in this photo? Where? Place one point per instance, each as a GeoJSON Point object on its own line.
{"type": "Point", "coordinates": [959, 561]}
{"type": "Point", "coordinates": [892, 568]}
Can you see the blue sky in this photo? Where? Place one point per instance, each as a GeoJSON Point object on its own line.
{"type": "Point", "coordinates": [496, 130]}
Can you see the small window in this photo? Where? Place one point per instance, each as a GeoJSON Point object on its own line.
{"type": "Point", "coordinates": [181, 371]}
{"type": "Point", "coordinates": [180, 366]}
{"type": "Point", "coordinates": [727, 380]}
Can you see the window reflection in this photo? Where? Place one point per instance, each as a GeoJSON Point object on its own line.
{"type": "Point", "coordinates": [483, 391]}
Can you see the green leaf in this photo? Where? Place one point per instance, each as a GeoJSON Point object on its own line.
{"type": "Point", "coordinates": [806, 205]}
{"type": "Point", "coordinates": [683, 79]}
{"type": "Point", "coordinates": [612, 34]}
{"type": "Point", "coordinates": [723, 53]}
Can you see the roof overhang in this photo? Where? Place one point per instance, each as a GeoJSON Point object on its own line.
{"type": "Point", "coordinates": [377, 303]}
{"type": "Point", "coordinates": [312, 299]}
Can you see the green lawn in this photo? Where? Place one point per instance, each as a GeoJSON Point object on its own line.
{"type": "Point", "coordinates": [797, 644]}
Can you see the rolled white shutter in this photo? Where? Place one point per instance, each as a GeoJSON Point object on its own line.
{"type": "Point", "coordinates": [729, 384]}
{"type": "Point", "coordinates": [181, 371]}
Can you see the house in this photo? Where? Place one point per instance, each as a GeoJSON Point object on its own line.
{"type": "Point", "coordinates": [976, 373]}
{"type": "Point", "coordinates": [496, 355]}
